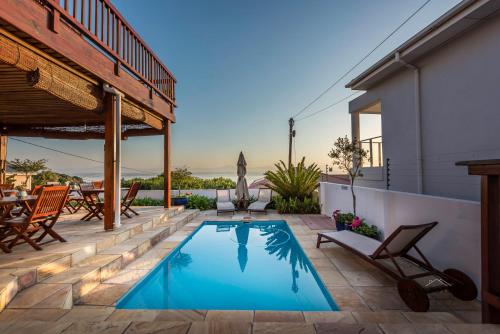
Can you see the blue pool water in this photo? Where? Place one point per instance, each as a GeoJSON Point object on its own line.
{"type": "Point", "coordinates": [233, 266]}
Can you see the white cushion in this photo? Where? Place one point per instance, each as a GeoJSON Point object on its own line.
{"type": "Point", "coordinates": [258, 206]}
{"type": "Point", "coordinates": [362, 244]}
{"type": "Point", "coordinates": [225, 206]}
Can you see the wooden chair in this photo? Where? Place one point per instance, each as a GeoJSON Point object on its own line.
{"type": "Point", "coordinates": [91, 202]}
{"type": "Point", "coordinates": [97, 184]}
{"type": "Point", "coordinates": [129, 198]}
{"type": "Point", "coordinates": [46, 211]}
{"type": "Point", "coordinates": [416, 277]}
{"type": "Point", "coordinates": [3, 187]}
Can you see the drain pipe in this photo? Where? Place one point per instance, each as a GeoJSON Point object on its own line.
{"type": "Point", "coordinates": [418, 121]}
{"type": "Point", "coordinates": [117, 147]}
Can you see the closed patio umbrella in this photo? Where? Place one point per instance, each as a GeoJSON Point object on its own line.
{"type": "Point", "coordinates": [242, 232]}
{"type": "Point", "coordinates": [241, 186]}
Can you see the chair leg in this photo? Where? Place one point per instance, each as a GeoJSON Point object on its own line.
{"type": "Point", "coordinates": [21, 234]}
{"type": "Point", "coordinates": [133, 211]}
{"type": "Point", "coordinates": [318, 243]}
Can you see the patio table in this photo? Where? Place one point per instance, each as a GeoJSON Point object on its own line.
{"type": "Point", "coordinates": [8, 203]}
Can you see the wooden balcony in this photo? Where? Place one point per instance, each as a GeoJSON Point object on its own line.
{"type": "Point", "coordinates": [76, 69]}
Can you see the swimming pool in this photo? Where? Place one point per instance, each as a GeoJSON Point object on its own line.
{"type": "Point", "coordinates": [233, 266]}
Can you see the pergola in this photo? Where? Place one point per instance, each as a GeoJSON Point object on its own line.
{"type": "Point", "coordinates": [75, 69]}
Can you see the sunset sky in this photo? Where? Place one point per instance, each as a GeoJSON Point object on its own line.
{"type": "Point", "coordinates": [243, 68]}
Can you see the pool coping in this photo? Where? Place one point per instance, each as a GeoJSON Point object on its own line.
{"type": "Point", "coordinates": [323, 287]}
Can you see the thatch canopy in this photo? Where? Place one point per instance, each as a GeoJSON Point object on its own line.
{"type": "Point", "coordinates": [41, 96]}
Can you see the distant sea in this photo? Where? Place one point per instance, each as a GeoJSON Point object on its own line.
{"type": "Point", "coordinates": [92, 176]}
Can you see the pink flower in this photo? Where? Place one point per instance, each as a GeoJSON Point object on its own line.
{"type": "Point", "coordinates": [356, 222]}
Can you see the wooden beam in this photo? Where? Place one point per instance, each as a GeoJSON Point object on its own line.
{"type": "Point", "coordinates": [3, 158]}
{"type": "Point", "coordinates": [34, 20]}
{"type": "Point", "coordinates": [166, 165]}
{"type": "Point", "coordinates": [110, 209]}
{"type": "Point", "coordinates": [73, 135]}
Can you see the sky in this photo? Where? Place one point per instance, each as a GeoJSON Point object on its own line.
{"type": "Point", "coordinates": [243, 68]}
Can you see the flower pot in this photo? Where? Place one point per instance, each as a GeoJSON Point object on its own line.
{"type": "Point", "coordinates": [339, 226]}
{"type": "Point", "coordinates": [178, 201]}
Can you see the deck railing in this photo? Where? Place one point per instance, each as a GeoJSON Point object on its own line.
{"type": "Point", "coordinates": [103, 25]}
{"type": "Point", "coordinates": [374, 147]}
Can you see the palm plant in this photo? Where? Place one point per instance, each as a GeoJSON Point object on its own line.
{"type": "Point", "coordinates": [295, 182]}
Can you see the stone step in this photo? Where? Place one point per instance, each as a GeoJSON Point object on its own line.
{"type": "Point", "coordinates": [28, 268]}
{"type": "Point", "coordinates": [89, 273]}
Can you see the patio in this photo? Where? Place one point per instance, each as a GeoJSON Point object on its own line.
{"type": "Point", "coordinates": [367, 298]}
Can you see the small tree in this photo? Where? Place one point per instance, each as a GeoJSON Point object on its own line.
{"type": "Point", "coordinates": [348, 156]}
{"type": "Point", "coordinates": [179, 178]}
{"type": "Point", "coordinates": [27, 167]}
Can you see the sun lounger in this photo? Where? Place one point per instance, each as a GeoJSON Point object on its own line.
{"type": "Point", "coordinates": [263, 199]}
{"type": "Point", "coordinates": [224, 203]}
{"type": "Point", "coordinates": [416, 277]}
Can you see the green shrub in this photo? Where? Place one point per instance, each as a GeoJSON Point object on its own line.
{"type": "Point", "coordinates": [295, 182]}
{"type": "Point", "coordinates": [294, 205]}
{"type": "Point", "coordinates": [147, 201]}
{"type": "Point", "coordinates": [367, 230]}
{"type": "Point", "coordinates": [201, 202]}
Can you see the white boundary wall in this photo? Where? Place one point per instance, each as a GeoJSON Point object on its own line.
{"type": "Point", "coordinates": [158, 194]}
{"type": "Point", "coordinates": [453, 243]}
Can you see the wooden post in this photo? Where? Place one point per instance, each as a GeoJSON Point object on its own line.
{"type": "Point", "coordinates": [166, 165]}
{"type": "Point", "coordinates": [110, 209]}
{"type": "Point", "coordinates": [490, 235]}
{"type": "Point", "coordinates": [3, 158]}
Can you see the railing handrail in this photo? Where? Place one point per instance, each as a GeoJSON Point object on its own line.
{"type": "Point", "coordinates": [136, 56]}
{"type": "Point", "coordinates": [370, 139]}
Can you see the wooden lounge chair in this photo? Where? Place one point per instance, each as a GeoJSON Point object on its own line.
{"type": "Point", "coordinates": [263, 199]}
{"type": "Point", "coordinates": [224, 203]}
{"type": "Point", "coordinates": [416, 277]}
{"type": "Point", "coordinates": [129, 198]}
{"type": "Point", "coordinates": [46, 211]}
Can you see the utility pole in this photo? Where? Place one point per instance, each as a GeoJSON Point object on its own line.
{"type": "Point", "coordinates": [291, 134]}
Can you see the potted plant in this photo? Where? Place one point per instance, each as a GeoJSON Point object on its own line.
{"type": "Point", "coordinates": [359, 226]}
{"type": "Point", "coordinates": [343, 221]}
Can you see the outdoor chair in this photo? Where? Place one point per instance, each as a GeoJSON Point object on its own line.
{"type": "Point", "coordinates": [46, 211]}
{"type": "Point", "coordinates": [5, 186]}
{"type": "Point", "coordinates": [263, 199]}
{"type": "Point", "coordinates": [97, 184]}
{"type": "Point", "coordinates": [129, 198]}
{"type": "Point", "coordinates": [416, 278]}
{"type": "Point", "coordinates": [91, 202]}
{"type": "Point", "coordinates": [223, 199]}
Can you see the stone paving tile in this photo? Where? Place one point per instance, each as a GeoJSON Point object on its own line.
{"type": "Point", "coordinates": [44, 296]}
{"type": "Point", "coordinates": [133, 315]}
{"type": "Point", "coordinates": [337, 317]}
{"type": "Point", "coordinates": [220, 327]}
{"type": "Point", "coordinates": [32, 314]}
{"type": "Point", "coordinates": [414, 329]}
{"type": "Point", "coordinates": [283, 328]}
{"type": "Point", "coordinates": [277, 316]}
{"type": "Point", "coordinates": [170, 327]}
{"type": "Point", "coordinates": [368, 278]}
{"type": "Point", "coordinates": [340, 328]}
{"type": "Point", "coordinates": [30, 327]}
{"type": "Point", "coordinates": [431, 317]}
{"type": "Point", "coordinates": [473, 328]}
{"type": "Point", "coordinates": [127, 276]}
{"type": "Point", "coordinates": [473, 317]}
{"type": "Point", "coordinates": [87, 314]}
{"type": "Point", "coordinates": [104, 327]}
{"type": "Point", "coordinates": [347, 299]}
{"type": "Point", "coordinates": [332, 277]}
{"type": "Point", "coordinates": [460, 305]}
{"type": "Point", "coordinates": [379, 317]}
{"type": "Point", "coordinates": [215, 315]}
{"type": "Point", "coordinates": [382, 298]}
{"type": "Point", "coordinates": [181, 315]}
{"type": "Point", "coordinates": [104, 294]}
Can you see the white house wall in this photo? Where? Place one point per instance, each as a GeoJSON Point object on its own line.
{"type": "Point", "coordinates": [460, 106]}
